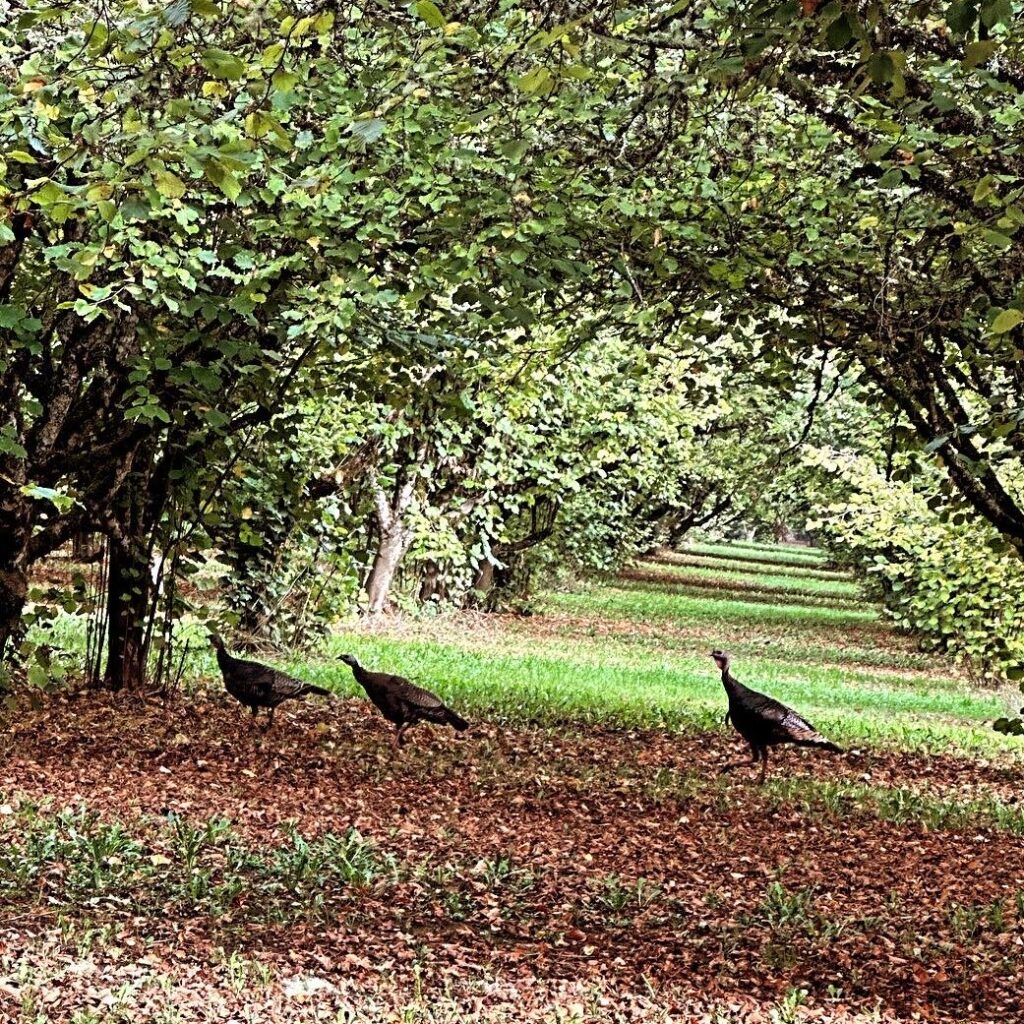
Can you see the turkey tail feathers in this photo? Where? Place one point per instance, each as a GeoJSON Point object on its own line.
{"type": "Point", "coordinates": [458, 723]}
{"type": "Point", "coordinates": [820, 742]}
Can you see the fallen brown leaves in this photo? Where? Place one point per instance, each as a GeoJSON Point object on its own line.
{"type": "Point", "coordinates": [685, 896]}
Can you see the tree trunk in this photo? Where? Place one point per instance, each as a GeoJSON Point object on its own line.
{"type": "Point", "coordinates": [385, 565]}
{"type": "Point", "coordinates": [783, 534]}
{"type": "Point", "coordinates": [484, 581]}
{"type": "Point", "coordinates": [431, 586]}
{"type": "Point", "coordinates": [130, 580]}
{"type": "Point", "coordinates": [394, 538]}
{"type": "Point", "coordinates": [129, 589]}
{"type": "Point", "coordinates": [13, 592]}
{"type": "Point", "coordinates": [15, 536]}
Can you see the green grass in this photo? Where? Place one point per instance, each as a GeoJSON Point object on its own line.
{"type": "Point", "coordinates": [740, 564]}
{"type": "Point", "coordinates": [780, 554]}
{"type": "Point", "coordinates": [679, 693]}
{"type": "Point", "coordinates": [645, 603]}
{"type": "Point", "coordinates": [841, 588]}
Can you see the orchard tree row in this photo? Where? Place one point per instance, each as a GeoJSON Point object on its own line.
{"type": "Point", "coordinates": [372, 303]}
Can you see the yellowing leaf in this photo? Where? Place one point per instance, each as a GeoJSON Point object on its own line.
{"type": "Point", "coordinates": [979, 52]}
{"type": "Point", "coordinates": [1007, 320]}
{"type": "Point", "coordinates": [169, 184]}
{"type": "Point", "coordinates": [431, 14]}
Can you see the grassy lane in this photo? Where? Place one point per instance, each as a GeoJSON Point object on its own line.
{"type": "Point", "coordinates": [634, 654]}
{"type": "Point", "coordinates": [836, 586]}
{"type": "Point", "coordinates": [781, 554]}
{"type": "Point", "coordinates": [741, 564]}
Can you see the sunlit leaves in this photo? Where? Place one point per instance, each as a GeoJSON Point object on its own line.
{"type": "Point", "coordinates": [431, 13]}
{"type": "Point", "coordinates": [222, 64]}
{"type": "Point", "coordinates": [1007, 320]}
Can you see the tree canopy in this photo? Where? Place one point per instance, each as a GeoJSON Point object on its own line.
{"type": "Point", "coordinates": [426, 298]}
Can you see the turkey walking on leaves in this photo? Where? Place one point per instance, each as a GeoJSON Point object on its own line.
{"type": "Point", "coordinates": [763, 721]}
{"type": "Point", "coordinates": [259, 686]}
{"type": "Point", "coordinates": [402, 703]}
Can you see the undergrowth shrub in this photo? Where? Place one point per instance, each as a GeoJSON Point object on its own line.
{"type": "Point", "coordinates": [941, 572]}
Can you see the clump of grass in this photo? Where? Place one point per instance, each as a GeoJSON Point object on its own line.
{"type": "Point", "coordinates": [898, 804]}
{"type": "Point", "coordinates": [620, 901]}
{"type": "Point", "coordinates": [77, 862]}
{"type": "Point", "coordinates": [781, 910]}
{"type": "Point", "coordinates": [505, 874]}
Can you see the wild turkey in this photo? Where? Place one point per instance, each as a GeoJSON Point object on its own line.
{"type": "Point", "coordinates": [764, 722]}
{"type": "Point", "coordinates": [259, 686]}
{"type": "Point", "coordinates": [403, 703]}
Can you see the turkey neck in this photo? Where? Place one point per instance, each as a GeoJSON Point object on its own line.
{"type": "Point", "coordinates": [224, 660]}
{"type": "Point", "coordinates": [733, 686]}
{"type": "Point", "coordinates": [364, 678]}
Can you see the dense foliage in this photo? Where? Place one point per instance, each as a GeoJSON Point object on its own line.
{"type": "Point", "coordinates": [950, 579]}
{"type": "Point", "coordinates": [373, 305]}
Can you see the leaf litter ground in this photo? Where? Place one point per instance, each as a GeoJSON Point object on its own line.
{"type": "Point", "coordinates": [643, 881]}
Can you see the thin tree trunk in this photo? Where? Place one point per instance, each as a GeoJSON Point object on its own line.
{"type": "Point", "coordinates": [393, 536]}
{"type": "Point", "coordinates": [130, 581]}
{"type": "Point", "coordinates": [13, 593]}
{"type": "Point", "coordinates": [15, 537]}
{"type": "Point", "coordinates": [129, 589]}
{"type": "Point", "coordinates": [392, 547]}
{"type": "Point", "coordinates": [484, 582]}
{"type": "Point", "coordinates": [431, 584]}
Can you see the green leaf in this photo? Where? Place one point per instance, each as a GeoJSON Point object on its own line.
{"type": "Point", "coordinates": [224, 179]}
{"type": "Point", "coordinates": [979, 52]}
{"type": "Point", "coordinates": [881, 67]}
{"type": "Point", "coordinates": [996, 12]}
{"type": "Point", "coordinates": [840, 32]}
{"type": "Point", "coordinates": [367, 130]}
{"type": "Point", "coordinates": [9, 444]}
{"type": "Point", "coordinates": [997, 238]}
{"type": "Point", "coordinates": [222, 64]}
{"type": "Point", "coordinates": [537, 82]}
{"type": "Point", "coordinates": [169, 184]}
{"type": "Point", "coordinates": [1006, 321]}
{"type": "Point", "coordinates": [515, 150]}
{"type": "Point", "coordinates": [431, 14]}
{"type": "Point", "coordinates": [984, 188]}
{"type": "Point", "coordinates": [11, 315]}
{"type": "Point", "coordinates": [961, 16]}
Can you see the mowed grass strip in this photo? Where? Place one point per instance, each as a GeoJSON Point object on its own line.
{"type": "Point", "coordinates": [740, 564]}
{"type": "Point", "coordinates": [652, 604]}
{"type": "Point", "coordinates": [845, 653]}
{"type": "Point", "coordinates": [842, 588]}
{"type": "Point", "coordinates": [709, 589]}
{"type": "Point", "coordinates": [682, 694]}
{"type": "Point", "coordinates": [781, 555]}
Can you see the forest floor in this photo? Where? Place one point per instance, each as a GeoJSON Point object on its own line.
{"type": "Point", "coordinates": [578, 856]}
